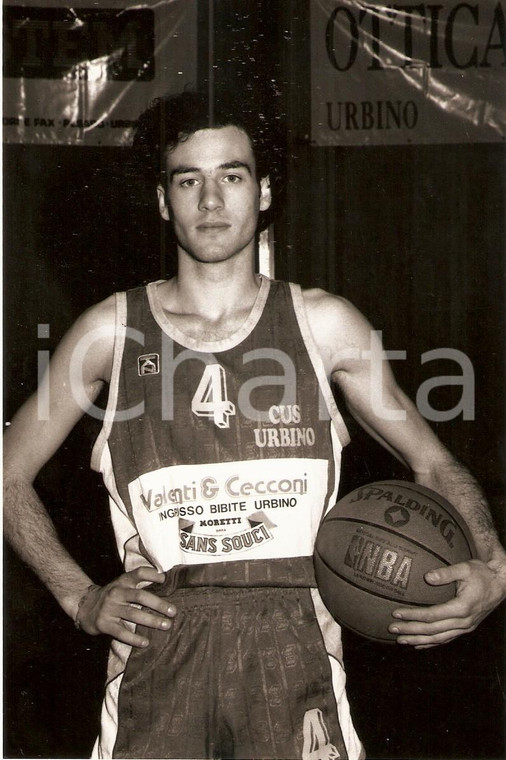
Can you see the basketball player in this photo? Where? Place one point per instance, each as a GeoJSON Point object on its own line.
{"type": "Point", "coordinates": [221, 452]}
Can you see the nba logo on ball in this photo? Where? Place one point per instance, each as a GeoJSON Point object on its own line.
{"type": "Point", "coordinates": [374, 547]}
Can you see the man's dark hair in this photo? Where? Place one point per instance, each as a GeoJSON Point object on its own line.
{"type": "Point", "coordinates": [172, 119]}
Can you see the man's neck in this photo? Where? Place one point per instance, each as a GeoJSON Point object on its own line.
{"type": "Point", "coordinates": [213, 290]}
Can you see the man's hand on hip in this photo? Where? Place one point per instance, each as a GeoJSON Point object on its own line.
{"type": "Point", "coordinates": [112, 609]}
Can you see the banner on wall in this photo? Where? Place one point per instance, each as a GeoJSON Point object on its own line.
{"type": "Point", "coordinates": [397, 73]}
{"type": "Point", "coordinates": [82, 74]}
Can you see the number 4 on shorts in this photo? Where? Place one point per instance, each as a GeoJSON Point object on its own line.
{"type": "Point", "coordinates": [317, 744]}
{"type": "Point", "coordinates": [210, 399]}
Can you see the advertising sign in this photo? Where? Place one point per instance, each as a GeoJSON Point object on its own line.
{"type": "Point", "coordinates": [396, 73]}
{"type": "Point", "coordinates": [82, 74]}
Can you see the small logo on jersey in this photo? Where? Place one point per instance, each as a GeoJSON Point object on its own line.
{"type": "Point", "coordinates": [148, 364]}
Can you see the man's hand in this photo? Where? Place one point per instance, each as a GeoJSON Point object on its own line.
{"type": "Point", "coordinates": [480, 588]}
{"type": "Point", "coordinates": [109, 609]}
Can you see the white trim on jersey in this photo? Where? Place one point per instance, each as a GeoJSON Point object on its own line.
{"type": "Point", "coordinates": [316, 360]}
{"type": "Point", "coordinates": [119, 344]}
{"type": "Point", "coordinates": [209, 346]}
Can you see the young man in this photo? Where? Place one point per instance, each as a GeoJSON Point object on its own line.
{"type": "Point", "coordinates": [221, 452]}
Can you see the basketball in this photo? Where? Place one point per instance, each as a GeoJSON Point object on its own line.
{"type": "Point", "coordinates": [374, 547]}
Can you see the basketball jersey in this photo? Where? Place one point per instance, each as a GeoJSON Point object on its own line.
{"type": "Point", "coordinates": [216, 451]}
{"type": "Point", "coordinates": [223, 450]}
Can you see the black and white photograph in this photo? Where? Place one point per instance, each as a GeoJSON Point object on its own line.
{"type": "Point", "coordinates": [254, 379]}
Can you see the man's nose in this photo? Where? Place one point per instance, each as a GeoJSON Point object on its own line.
{"type": "Point", "coordinates": [211, 197]}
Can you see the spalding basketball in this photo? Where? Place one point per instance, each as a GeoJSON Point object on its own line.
{"type": "Point", "coordinates": [374, 547]}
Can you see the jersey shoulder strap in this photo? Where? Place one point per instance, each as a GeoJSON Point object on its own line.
{"type": "Point", "coordinates": [133, 316]}
{"type": "Point", "coordinates": [317, 362]}
{"type": "Point", "coordinates": [120, 330]}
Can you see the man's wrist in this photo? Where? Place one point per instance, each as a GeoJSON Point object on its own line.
{"type": "Point", "coordinates": [77, 621]}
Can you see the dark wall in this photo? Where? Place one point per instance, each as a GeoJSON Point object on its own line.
{"type": "Point", "coordinates": [413, 235]}
{"type": "Point", "coordinates": [75, 230]}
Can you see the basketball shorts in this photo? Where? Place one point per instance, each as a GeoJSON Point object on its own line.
{"type": "Point", "coordinates": [243, 673]}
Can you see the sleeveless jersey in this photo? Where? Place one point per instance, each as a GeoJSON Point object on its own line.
{"type": "Point", "coordinates": [218, 450]}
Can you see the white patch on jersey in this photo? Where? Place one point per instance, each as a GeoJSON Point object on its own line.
{"type": "Point", "coordinates": [255, 508]}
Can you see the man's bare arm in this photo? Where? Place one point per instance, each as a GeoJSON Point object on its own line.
{"type": "Point", "coordinates": [30, 441]}
{"type": "Point", "coordinates": [349, 347]}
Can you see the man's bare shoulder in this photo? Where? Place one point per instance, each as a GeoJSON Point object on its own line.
{"type": "Point", "coordinates": [321, 301]}
{"type": "Point", "coordinates": [334, 321]}
{"type": "Point", "coordinates": [80, 366]}
{"type": "Point", "coordinates": [99, 315]}
{"type": "Point", "coordinates": [92, 336]}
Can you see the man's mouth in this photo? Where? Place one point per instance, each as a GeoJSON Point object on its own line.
{"type": "Point", "coordinates": [205, 226]}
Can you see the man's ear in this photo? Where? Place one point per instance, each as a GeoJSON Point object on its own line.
{"type": "Point", "coordinates": [265, 193]}
{"type": "Point", "coordinates": [162, 203]}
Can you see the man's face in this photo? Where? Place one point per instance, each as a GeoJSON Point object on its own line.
{"type": "Point", "coordinates": [213, 196]}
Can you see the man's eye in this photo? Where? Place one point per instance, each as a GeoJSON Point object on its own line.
{"type": "Point", "coordinates": [232, 178]}
{"type": "Point", "coordinates": [190, 182]}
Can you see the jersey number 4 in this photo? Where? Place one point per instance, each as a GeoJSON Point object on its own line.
{"type": "Point", "coordinates": [210, 399]}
